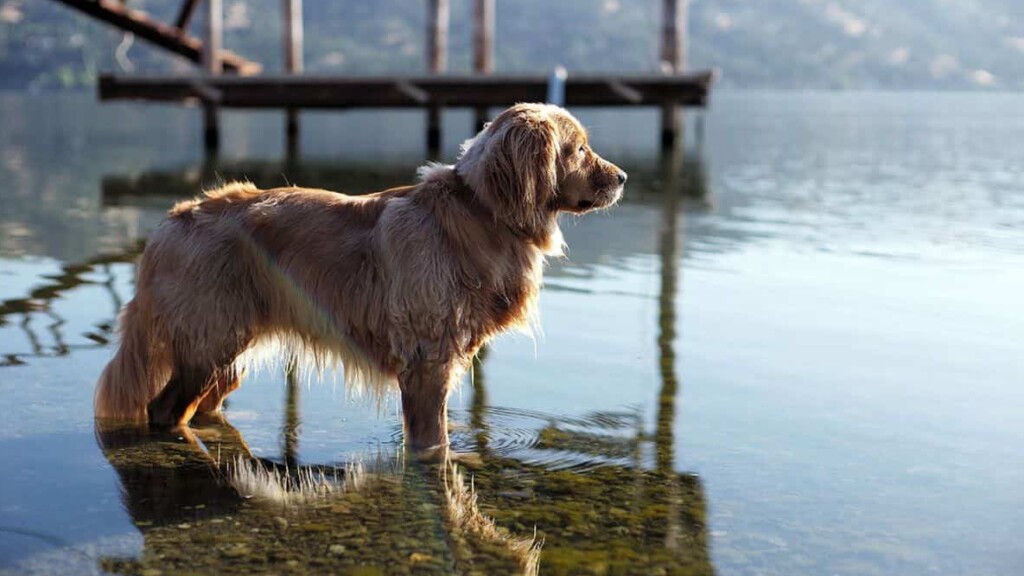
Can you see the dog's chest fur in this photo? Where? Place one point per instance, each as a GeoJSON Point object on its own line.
{"type": "Point", "coordinates": [494, 272]}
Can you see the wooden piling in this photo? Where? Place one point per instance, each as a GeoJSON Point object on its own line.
{"type": "Point", "coordinates": [292, 134]}
{"type": "Point", "coordinates": [673, 38]}
{"type": "Point", "coordinates": [292, 414]}
{"type": "Point", "coordinates": [437, 61]}
{"type": "Point", "coordinates": [293, 36]}
{"type": "Point", "coordinates": [293, 64]}
{"type": "Point", "coordinates": [483, 36]}
{"type": "Point", "coordinates": [212, 42]}
{"type": "Point", "coordinates": [213, 37]}
{"type": "Point", "coordinates": [673, 57]}
{"type": "Point", "coordinates": [483, 48]}
{"type": "Point", "coordinates": [437, 35]}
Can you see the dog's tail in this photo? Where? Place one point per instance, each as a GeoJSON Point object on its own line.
{"type": "Point", "coordinates": [139, 370]}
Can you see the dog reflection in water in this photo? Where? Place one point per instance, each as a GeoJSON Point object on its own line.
{"type": "Point", "coordinates": [223, 511]}
{"type": "Point", "coordinates": [401, 286]}
{"type": "Point", "coordinates": [220, 510]}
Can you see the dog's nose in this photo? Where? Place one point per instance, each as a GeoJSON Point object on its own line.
{"type": "Point", "coordinates": [622, 177]}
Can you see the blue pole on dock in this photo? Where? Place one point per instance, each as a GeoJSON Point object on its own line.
{"type": "Point", "coordinates": [556, 86]}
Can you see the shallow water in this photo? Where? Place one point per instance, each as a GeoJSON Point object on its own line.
{"type": "Point", "coordinates": [794, 348]}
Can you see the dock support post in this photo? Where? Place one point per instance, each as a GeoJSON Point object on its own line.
{"type": "Point", "coordinates": [437, 62]}
{"type": "Point", "coordinates": [212, 66]}
{"type": "Point", "coordinates": [433, 130]}
{"type": "Point", "coordinates": [483, 48]}
{"type": "Point", "coordinates": [211, 128]}
{"type": "Point", "coordinates": [291, 134]}
{"type": "Point", "coordinates": [673, 57]}
{"type": "Point", "coordinates": [293, 64]}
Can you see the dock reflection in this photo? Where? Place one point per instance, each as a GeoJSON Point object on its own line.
{"type": "Point", "coordinates": [38, 306]}
{"type": "Point", "coordinates": [188, 181]}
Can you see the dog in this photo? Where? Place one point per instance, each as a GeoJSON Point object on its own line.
{"type": "Point", "coordinates": [401, 285]}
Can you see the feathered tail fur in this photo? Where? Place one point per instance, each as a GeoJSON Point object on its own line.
{"type": "Point", "coordinates": [139, 370]}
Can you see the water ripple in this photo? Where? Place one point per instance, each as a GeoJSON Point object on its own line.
{"type": "Point", "coordinates": [554, 442]}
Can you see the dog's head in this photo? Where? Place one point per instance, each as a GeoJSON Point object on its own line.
{"type": "Point", "coordinates": [533, 161]}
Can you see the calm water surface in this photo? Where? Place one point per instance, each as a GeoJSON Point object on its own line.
{"type": "Point", "coordinates": [794, 348]}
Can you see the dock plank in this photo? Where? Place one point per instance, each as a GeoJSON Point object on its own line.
{"type": "Point", "coordinates": [286, 91]}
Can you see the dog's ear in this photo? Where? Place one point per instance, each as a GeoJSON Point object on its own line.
{"type": "Point", "coordinates": [520, 170]}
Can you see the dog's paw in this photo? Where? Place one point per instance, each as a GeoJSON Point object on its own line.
{"type": "Point", "coordinates": [445, 455]}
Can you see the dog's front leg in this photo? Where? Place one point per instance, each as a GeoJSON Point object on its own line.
{"type": "Point", "coordinates": [424, 385]}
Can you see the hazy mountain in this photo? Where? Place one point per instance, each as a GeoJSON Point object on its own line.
{"type": "Point", "coordinates": [895, 44]}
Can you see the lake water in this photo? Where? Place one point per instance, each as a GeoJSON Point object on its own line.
{"type": "Point", "coordinates": [794, 348]}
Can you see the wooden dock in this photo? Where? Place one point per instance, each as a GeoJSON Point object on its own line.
{"type": "Point", "coordinates": [291, 91]}
{"type": "Point", "coordinates": [670, 91]}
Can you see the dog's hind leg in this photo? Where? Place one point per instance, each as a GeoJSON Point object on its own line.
{"type": "Point", "coordinates": [178, 401]}
{"type": "Point", "coordinates": [225, 381]}
{"type": "Point", "coordinates": [201, 366]}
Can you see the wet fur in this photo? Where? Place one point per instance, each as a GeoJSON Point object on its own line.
{"type": "Point", "coordinates": [402, 286]}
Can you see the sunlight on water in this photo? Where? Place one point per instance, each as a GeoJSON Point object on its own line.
{"type": "Point", "coordinates": [792, 349]}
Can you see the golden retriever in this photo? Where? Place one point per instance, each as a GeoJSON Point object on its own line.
{"type": "Point", "coordinates": [404, 284]}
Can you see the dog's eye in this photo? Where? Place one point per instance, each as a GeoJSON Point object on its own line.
{"type": "Point", "coordinates": [582, 150]}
